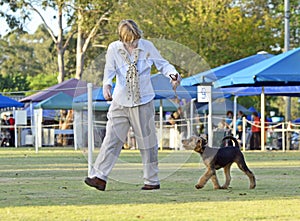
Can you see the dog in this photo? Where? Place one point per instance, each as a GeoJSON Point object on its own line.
{"type": "Point", "coordinates": [216, 158]}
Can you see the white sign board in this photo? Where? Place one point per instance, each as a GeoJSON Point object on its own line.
{"type": "Point", "coordinates": [203, 94]}
{"type": "Point", "coordinates": [20, 117]}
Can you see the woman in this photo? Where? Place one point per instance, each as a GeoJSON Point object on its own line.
{"type": "Point", "coordinates": [130, 60]}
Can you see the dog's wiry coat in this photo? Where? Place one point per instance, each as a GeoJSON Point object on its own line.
{"type": "Point", "coordinates": [216, 158]}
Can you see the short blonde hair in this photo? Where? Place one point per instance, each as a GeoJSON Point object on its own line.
{"type": "Point", "coordinates": [129, 31]}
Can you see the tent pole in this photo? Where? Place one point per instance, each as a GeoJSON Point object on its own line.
{"type": "Point", "coordinates": [90, 127]}
{"type": "Point", "coordinates": [287, 48]}
{"type": "Point", "coordinates": [161, 124]}
{"type": "Point", "coordinates": [38, 128]}
{"type": "Point", "coordinates": [192, 116]}
{"type": "Point", "coordinates": [31, 115]}
{"type": "Point", "coordinates": [244, 134]}
{"type": "Point", "coordinates": [204, 95]}
{"type": "Point", "coordinates": [262, 119]}
{"type": "Point", "coordinates": [234, 115]}
{"type": "Point", "coordinates": [210, 111]}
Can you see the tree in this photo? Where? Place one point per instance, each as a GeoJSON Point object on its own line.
{"type": "Point", "coordinates": [40, 82]}
{"type": "Point", "coordinates": [84, 17]}
{"type": "Point", "coordinates": [295, 24]}
{"type": "Point", "coordinates": [91, 17]}
{"type": "Point", "coordinates": [59, 41]}
{"type": "Point", "coordinates": [26, 7]}
{"type": "Point", "coordinates": [25, 56]}
{"type": "Point", "coordinates": [220, 31]}
{"type": "Point", "coordinates": [294, 21]}
{"type": "Point", "coordinates": [17, 56]}
{"type": "Point", "coordinates": [44, 51]}
{"type": "Point", "coordinates": [16, 84]}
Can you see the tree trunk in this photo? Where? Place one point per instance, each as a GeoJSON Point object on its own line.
{"type": "Point", "coordinates": [60, 63]}
{"type": "Point", "coordinates": [79, 52]}
{"type": "Point", "coordinates": [60, 49]}
{"type": "Point", "coordinates": [82, 42]}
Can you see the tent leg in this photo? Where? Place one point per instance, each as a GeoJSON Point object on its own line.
{"type": "Point", "coordinates": [262, 120]}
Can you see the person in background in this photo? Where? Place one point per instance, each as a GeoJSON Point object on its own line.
{"type": "Point", "coordinates": [130, 60]}
{"type": "Point", "coordinates": [11, 122]}
{"type": "Point", "coordinates": [256, 134]}
{"type": "Point", "coordinates": [4, 120]}
{"type": "Point", "coordinates": [4, 131]}
{"type": "Point", "coordinates": [228, 123]}
{"type": "Point", "coordinates": [239, 125]}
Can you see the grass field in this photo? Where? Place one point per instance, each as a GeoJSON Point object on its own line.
{"type": "Point", "coordinates": [49, 186]}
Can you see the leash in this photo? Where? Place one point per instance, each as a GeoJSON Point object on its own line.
{"type": "Point", "coordinates": [174, 77]}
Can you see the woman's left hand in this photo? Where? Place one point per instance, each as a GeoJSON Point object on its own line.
{"type": "Point", "coordinates": [175, 80]}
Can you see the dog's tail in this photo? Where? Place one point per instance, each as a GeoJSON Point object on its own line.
{"type": "Point", "coordinates": [230, 138]}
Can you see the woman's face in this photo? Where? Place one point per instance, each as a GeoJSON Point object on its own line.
{"type": "Point", "coordinates": [131, 45]}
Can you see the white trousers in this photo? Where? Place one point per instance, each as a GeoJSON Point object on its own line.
{"type": "Point", "coordinates": [120, 118]}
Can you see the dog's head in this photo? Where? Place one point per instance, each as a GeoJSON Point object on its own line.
{"type": "Point", "coordinates": [195, 143]}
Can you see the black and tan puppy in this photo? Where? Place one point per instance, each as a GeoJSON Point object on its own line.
{"type": "Point", "coordinates": [216, 158]}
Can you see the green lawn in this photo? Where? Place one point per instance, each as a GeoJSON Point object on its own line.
{"type": "Point", "coordinates": [49, 186]}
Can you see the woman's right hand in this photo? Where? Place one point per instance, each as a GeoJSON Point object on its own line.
{"type": "Point", "coordinates": [107, 92]}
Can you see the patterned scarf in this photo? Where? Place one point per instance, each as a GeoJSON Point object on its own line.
{"type": "Point", "coordinates": [132, 77]}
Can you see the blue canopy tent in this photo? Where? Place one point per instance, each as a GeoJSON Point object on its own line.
{"type": "Point", "coordinates": [97, 95]}
{"type": "Point", "coordinates": [6, 102]}
{"type": "Point", "coordinates": [163, 89]}
{"type": "Point", "coordinates": [163, 95]}
{"type": "Point", "coordinates": [59, 101]}
{"type": "Point", "coordinates": [161, 86]}
{"type": "Point", "coordinates": [162, 101]}
{"type": "Point", "coordinates": [280, 70]}
{"type": "Point", "coordinates": [221, 106]}
{"type": "Point", "coordinates": [47, 114]}
{"type": "Point", "coordinates": [72, 87]}
{"type": "Point", "coordinates": [292, 91]}
{"type": "Point", "coordinates": [167, 105]}
{"type": "Point", "coordinates": [225, 70]}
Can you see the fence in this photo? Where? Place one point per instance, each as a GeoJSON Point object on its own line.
{"type": "Point", "coordinates": [278, 136]}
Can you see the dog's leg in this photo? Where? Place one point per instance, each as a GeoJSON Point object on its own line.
{"type": "Point", "coordinates": [215, 181]}
{"type": "Point", "coordinates": [205, 177]}
{"type": "Point", "coordinates": [243, 167]}
{"type": "Point", "coordinates": [227, 176]}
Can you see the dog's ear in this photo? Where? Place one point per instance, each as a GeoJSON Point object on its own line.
{"type": "Point", "coordinates": [197, 148]}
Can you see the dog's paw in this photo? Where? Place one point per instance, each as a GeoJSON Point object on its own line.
{"type": "Point", "coordinates": [252, 186]}
{"type": "Point", "coordinates": [217, 187]}
{"type": "Point", "coordinates": [197, 186]}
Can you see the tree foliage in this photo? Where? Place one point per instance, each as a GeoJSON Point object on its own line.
{"type": "Point", "coordinates": [40, 82]}
{"type": "Point", "coordinates": [18, 56]}
{"type": "Point", "coordinates": [91, 20]}
{"type": "Point", "coordinates": [17, 84]}
{"type": "Point", "coordinates": [294, 23]}
{"type": "Point", "coordinates": [26, 57]}
{"type": "Point", "coordinates": [219, 31]}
